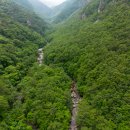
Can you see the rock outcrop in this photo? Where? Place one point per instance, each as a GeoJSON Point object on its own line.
{"type": "Point", "coordinates": [101, 6]}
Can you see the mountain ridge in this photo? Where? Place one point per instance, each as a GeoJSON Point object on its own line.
{"type": "Point", "coordinates": [67, 8]}
{"type": "Point", "coordinates": [83, 82]}
{"type": "Point", "coordinates": [40, 8]}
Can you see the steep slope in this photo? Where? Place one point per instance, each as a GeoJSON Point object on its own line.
{"type": "Point", "coordinates": [31, 96]}
{"type": "Point", "coordinates": [66, 9]}
{"type": "Point", "coordinates": [18, 52]}
{"type": "Point", "coordinates": [90, 48]}
{"type": "Point", "coordinates": [41, 9]}
{"type": "Point", "coordinates": [38, 7]}
{"type": "Point", "coordinates": [93, 48]}
{"type": "Point", "coordinates": [24, 3]}
{"type": "Point", "coordinates": [20, 14]}
{"type": "Point", "coordinates": [18, 40]}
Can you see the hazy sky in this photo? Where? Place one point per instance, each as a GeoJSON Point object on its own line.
{"type": "Point", "coordinates": [52, 3]}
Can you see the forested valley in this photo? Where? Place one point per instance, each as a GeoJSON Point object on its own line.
{"type": "Point", "coordinates": [64, 68]}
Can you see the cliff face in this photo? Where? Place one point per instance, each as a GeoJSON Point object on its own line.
{"type": "Point", "coordinates": [96, 6]}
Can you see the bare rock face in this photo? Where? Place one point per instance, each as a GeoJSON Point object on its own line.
{"type": "Point", "coordinates": [101, 6]}
{"type": "Point", "coordinates": [82, 4]}
{"type": "Point", "coordinates": [83, 16]}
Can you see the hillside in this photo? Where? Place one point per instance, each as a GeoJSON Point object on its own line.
{"type": "Point", "coordinates": [93, 48]}
{"type": "Point", "coordinates": [38, 7]}
{"type": "Point", "coordinates": [82, 78]}
{"type": "Point", "coordinates": [66, 9]}
{"type": "Point", "coordinates": [24, 16]}
{"type": "Point", "coordinates": [41, 9]}
{"type": "Point", "coordinates": [23, 83]}
{"type": "Point", "coordinates": [24, 3]}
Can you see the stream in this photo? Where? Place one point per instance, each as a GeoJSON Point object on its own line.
{"type": "Point", "coordinates": [75, 100]}
{"type": "Point", "coordinates": [40, 56]}
{"type": "Point", "coordinates": [74, 94]}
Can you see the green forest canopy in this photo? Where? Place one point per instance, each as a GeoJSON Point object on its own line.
{"type": "Point", "coordinates": [90, 47]}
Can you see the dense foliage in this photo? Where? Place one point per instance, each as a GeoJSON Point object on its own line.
{"type": "Point", "coordinates": [25, 16]}
{"type": "Point", "coordinates": [93, 48]}
{"type": "Point", "coordinates": [18, 52]}
{"type": "Point", "coordinates": [43, 101]}
{"type": "Point", "coordinates": [18, 48]}
{"type": "Point", "coordinates": [31, 96]}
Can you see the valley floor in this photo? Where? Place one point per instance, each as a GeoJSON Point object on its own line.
{"type": "Point", "coordinates": [74, 94]}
